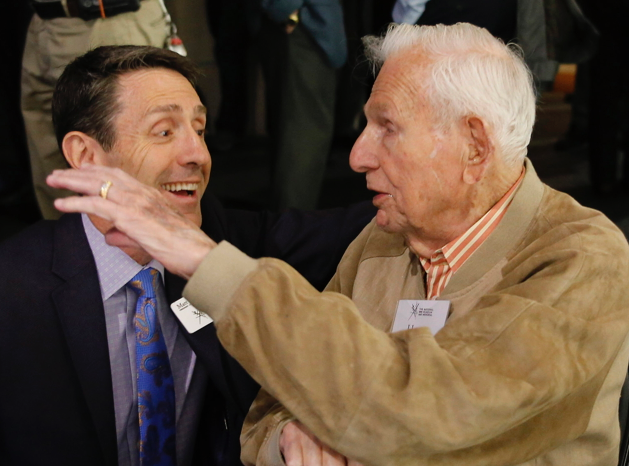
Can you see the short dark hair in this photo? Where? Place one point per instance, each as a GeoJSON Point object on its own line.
{"type": "Point", "coordinates": [85, 97]}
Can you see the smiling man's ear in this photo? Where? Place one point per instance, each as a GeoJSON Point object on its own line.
{"type": "Point", "coordinates": [480, 150]}
{"type": "Point", "coordinates": [79, 148]}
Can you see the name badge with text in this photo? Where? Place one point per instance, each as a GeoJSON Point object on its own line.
{"type": "Point", "coordinates": [190, 317]}
{"type": "Point", "coordinates": [414, 313]}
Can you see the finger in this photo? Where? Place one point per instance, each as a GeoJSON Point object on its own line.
{"type": "Point", "coordinates": [298, 447]}
{"type": "Point", "coordinates": [89, 179]}
{"type": "Point", "coordinates": [86, 170]}
{"type": "Point", "coordinates": [90, 205]}
{"type": "Point", "coordinates": [83, 184]}
{"type": "Point", "coordinates": [293, 455]}
{"type": "Point", "coordinates": [127, 199]}
{"type": "Point", "coordinates": [290, 447]}
{"type": "Point", "coordinates": [331, 457]}
{"type": "Point", "coordinates": [312, 451]}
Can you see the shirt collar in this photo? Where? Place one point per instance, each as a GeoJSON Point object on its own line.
{"type": "Point", "coordinates": [115, 268]}
{"type": "Point", "coordinates": [457, 251]}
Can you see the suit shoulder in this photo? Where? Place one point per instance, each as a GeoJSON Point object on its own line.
{"type": "Point", "coordinates": [30, 244]}
{"type": "Point", "coordinates": [27, 259]}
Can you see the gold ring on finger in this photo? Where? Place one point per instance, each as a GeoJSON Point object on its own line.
{"type": "Point", "coordinates": [104, 189]}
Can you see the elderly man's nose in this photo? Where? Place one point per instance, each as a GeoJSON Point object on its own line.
{"type": "Point", "coordinates": [361, 158]}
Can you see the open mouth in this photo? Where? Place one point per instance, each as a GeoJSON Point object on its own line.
{"type": "Point", "coordinates": [381, 196]}
{"type": "Point", "coordinates": [377, 192]}
{"type": "Point", "coordinates": [181, 189]}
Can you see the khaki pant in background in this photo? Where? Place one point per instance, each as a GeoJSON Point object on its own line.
{"type": "Point", "coordinates": [52, 44]}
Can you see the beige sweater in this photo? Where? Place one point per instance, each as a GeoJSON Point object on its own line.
{"type": "Point", "coordinates": [527, 369]}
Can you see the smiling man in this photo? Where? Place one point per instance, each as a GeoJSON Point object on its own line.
{"type": "Point", "coordinates": [481, 319]}
{"type": "Point", "coordinates": [94, 367]}
{"type": "Point", "coordinates": [158, 135]}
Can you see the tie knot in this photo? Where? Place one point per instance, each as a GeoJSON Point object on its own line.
{"type": "Point", "coordinates": [145, 282]}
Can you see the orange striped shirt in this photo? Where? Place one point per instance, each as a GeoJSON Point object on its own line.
{"type": "Point", "coordinates": [446, 261]}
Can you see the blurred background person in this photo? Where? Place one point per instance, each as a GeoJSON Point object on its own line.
{"type": "Point", "coordinates": [608, 137]}
{"type": "Point", "coordinates": [228, 22]}
{"type": "Point", "coordinates": [497, 16]}
{"type": "Point", "coordinates": [301, 45]}
{"type": "Point", "coordinates": [60, 31]}
{"type": "Point", "coordinates": [18, 207]}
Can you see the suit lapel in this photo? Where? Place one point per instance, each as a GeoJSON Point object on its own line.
{"type": "Point", "coordinates": [203, 342]}
{"type": "Point", "coordinates": [79, 306]}
{"type": "Point", "coordinates": [225, 373]}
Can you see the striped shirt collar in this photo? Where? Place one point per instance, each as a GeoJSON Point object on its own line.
{"type": "Point", "coordinates": [444, 262]}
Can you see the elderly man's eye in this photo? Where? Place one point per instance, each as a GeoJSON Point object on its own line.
{"type": "Point", "coordinates": [201, 132]}
{"type": "Point", "coordinates": [165, 133]}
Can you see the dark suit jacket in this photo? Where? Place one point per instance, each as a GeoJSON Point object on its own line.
{"type": "Point", "coordinates": [56, 399]}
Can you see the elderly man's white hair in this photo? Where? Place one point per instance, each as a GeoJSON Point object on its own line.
{"type": "Point", "coordinates": [471, 73]}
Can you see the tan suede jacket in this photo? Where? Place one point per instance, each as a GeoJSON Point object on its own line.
{"type": "Point", "coordinates": [527, 369]}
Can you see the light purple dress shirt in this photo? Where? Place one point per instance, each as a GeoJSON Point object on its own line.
{"type": "Point", "coordinates": [115, 270]}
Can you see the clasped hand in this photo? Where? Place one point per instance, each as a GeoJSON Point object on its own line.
{"type": "Point", "coordinates": [300, 447]}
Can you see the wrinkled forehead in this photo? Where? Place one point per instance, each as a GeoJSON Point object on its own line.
{"type": "Point", "coordinates": [146, 95]}
{"type": "Point", "coordinates": [147, 82]}
{"type": "Point", "coordinates": [144, 91]}
{"type": "Point", "coordinates": [401, 82]}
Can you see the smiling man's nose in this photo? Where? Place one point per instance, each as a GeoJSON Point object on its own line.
{"type": "Point", "coordinates": [194, 151]}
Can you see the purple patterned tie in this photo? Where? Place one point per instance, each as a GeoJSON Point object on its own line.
{"type": "Point", "coordinates": [156, 388]}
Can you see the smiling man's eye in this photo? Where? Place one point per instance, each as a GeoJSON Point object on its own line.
{"type": "Point", "coordinates": [165, 132]}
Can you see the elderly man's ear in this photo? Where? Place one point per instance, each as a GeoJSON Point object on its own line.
{"type": "Point", "coordinates": [79, 148]}
{"type": "Point", "coordinates": [480, 150]}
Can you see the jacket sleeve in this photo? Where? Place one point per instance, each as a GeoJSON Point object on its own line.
{"type": "Point", "coordinates": [267, 417]}
{"type": "Point", "coordinates": [513, 378]}
{"type": "Point", "coordinates": [312, 242]}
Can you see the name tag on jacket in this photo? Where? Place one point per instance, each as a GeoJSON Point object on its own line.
{"type": "Point", "coordinates": [413, 313]}
{"type": "Point", "coordinates": [191, 318]}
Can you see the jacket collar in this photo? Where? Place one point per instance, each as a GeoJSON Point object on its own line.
{"type": "Point", "coordinates": [80, 309]}
{"type": "Point", "coordinates": [507, 235]}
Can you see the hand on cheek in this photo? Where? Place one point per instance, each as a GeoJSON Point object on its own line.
{"type": "Point", "coordinates": [139, 214]}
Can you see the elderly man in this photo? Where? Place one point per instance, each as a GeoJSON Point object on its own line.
{"type": "Point", "coordinates": [97, 371]}
{"type": "Point", "coordinates": [529, 364]}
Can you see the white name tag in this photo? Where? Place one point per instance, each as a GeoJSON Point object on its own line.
{"type": "Point", "coordinates": [191, 318]}
{"type": "Point", "coordinates": [413, 313]}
